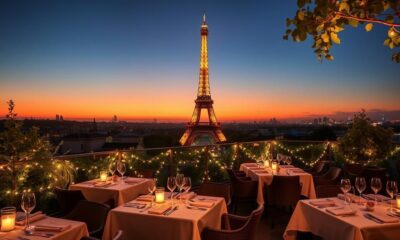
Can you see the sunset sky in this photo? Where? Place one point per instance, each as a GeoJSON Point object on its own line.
{"type": "Point", "coordinates": [139, 60]}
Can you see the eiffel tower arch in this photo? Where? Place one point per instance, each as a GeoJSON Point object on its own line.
{"type": "Point", "coordinates": [203, 133]}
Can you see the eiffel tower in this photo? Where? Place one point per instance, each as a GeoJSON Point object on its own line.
{"type": "Point", "coordinates": [203, 133]}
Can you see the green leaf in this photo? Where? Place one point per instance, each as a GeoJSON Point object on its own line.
{"type": "Point", "coordinates": [301, 3]}
{"type": "Point", "coordinates": [369, 27]}
{"type": "Point", "coordinates": [387, 42]}
{"type": "Point", "coordinates": [335, 38]}
{"type": "Point", "coordinates": [353, 23]}
{"type": "Point", "coordinates": [329, 57]}
{"type": "Point", "coordinates": [344, 7]}
{"type": "Point", "coordinates": [325, 37]}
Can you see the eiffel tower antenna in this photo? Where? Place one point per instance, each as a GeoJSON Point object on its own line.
{"type": "Point", "coordinates": [200, 133]}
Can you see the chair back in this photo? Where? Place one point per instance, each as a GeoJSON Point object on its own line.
{"type": "Point", "coordinates": [246, 232]}
{"type": "Point", "coordinates": [318, 168]}
{"type": "Point", "coordinates": [146, 173]}
{"type": "Point", "coordinates": [67, 199]}
{"type": "Point", "coordinates": [118, 235]}
{"type": "Point", "coordinates": [216, 189]}
{"type": "Point", "coordinates": [245, 188]}
{"type": "Point", "coordinates": [284, 191]}
{"type": "Point", "coordinates": [93, 214]}
{"type": "Point", "coordinates": [333, 174]}
{"type": "Point", "coordinates": [370, 172]}
{"type": "Point", "coordinates": [326, 191]}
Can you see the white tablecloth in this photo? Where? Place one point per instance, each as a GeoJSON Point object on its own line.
{"type": "Point", "coordinates": [306, 179]}
{"type": "Point", "coordinates": [308, 218]}
{"type": "Point", "coordinates": [121, 192]}
{"type": "Point", "coordinates": [183, 224]}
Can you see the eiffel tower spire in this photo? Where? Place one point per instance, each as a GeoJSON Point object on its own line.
{"type": "Point", "coordinates": [203, 132]}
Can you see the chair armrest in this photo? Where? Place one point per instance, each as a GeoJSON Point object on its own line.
{"type": "Point", "coordinates": [97, 233]}
{"type": "Point", "coordinates": [232, 222]}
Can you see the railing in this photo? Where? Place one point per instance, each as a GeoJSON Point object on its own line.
{"type": "Point", "coordinates": [199, 162]}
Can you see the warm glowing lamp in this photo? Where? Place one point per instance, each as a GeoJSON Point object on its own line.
{"type": "Point", "coordinates": [8, 219]}
{"type": "Point", "coordinates": [267, 164]}
{"type": "Point", "coordinates": [274, 167]}
{"type": "Point", "coordinates": [103, 176]}
{"type": "Point", "coordinates": [160, 195]}
{"type": "Point", "coordinates": [398, 201]}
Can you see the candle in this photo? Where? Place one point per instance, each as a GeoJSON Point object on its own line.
{"type": "Point", "coordinates": [274, 167]}
{"type": "Point", "coordinates": [398, 201]}
{"type": "Point", "coordinates": [266, 164]}
{"type": "Point", "coordinates": [160, 195]}
{"type": "Point", "coordinates": [7, 219]}
{"type": "Point", "coordinates": [103, 176]}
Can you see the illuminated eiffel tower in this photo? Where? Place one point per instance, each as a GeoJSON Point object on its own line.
{"type": "Point", "coordinates": [202, 133]}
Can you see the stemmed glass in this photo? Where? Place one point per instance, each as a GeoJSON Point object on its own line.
{"type": "Point", "coordinates": [186, 185]}
{"type": "Point", "coordinates": [179, 181]}
{"type": "Point", "coordinates": [28, 203]}
{"type": "Point", "coordinates": [345, 186]}
{"type": "Point", "coordinates": [152, 188]}
{"type": "Point", "coordinates": [391, 189]}
{"type": "Point", "coordinates": [361, 185]}
{"type": "Point", "coordinates": [376, 186]}
{"type": "Point", "coordinates": [121, 168]}
{"type": "Point", "coordinates": [112, 168]}
{"type": "Point", "coordinates": [171, 185]}
{"type": "Point", "coordinates": [288, 160]}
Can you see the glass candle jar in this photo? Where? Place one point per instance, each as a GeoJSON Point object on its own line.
{"type": "Point", "coordinates": [8, 215]}
{"type": "Point", "coordinates": [398, 201]}
{"type": "Point", "coordinates": [103, 176]}
{"type": "Point", "coordinates": [160, 195]}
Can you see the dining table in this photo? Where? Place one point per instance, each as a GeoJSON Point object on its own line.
{"type": "Point", "coordinates": [332, 218]}
{"type": "Point", "coordinates": [49, 228]}
{"type": "Point", "coordinates": [183, 220]}
{"type": "Point", "coordinates": [120, 190]}
{"type": "Point", "coordinates": [265, 176]}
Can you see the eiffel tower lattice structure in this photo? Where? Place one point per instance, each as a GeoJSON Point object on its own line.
{"type": "Point", "coordinates": [203, 133]}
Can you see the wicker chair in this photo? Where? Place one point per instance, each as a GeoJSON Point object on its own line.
{"type": "Point", "coordinates": [216, 189]}
{"type": "Point", "coordinates": [235, 227]}
{"type": "Point", "coordinates": [352, 170]}
{"type": "Point", "coordinates": [93, 214]}
{"type": "Point", "coordinates": [67, 200]}
{"type": "Point", "coordinates": [117, 236]}
{"type": "Point", "coordinates": [325, 191]}
{"type": "Point", "coordinates": [329, 178]}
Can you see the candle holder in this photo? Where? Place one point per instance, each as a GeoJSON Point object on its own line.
{"type": "Point", "coordinates": [160, 195]}
{"type": "Point", "coordinates": [103, 176]}
{"type": "Point", "coordinates": [267, 164]}
{"type": "Point", "coordinates": [397, 201]}
{"type": "Point", "coordinates": [274, 167]}
{"type": "Point", "coordinates": [8, 215]}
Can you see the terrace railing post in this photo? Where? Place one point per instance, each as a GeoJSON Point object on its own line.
{"type": "Point", "coordinates": [171, 168]}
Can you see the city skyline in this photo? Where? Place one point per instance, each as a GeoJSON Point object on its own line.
{"type": "Point", "coordinates": [141, 63]}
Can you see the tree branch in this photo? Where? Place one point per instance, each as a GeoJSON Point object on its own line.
{"type": "Point", "coordinates": [372, 20]}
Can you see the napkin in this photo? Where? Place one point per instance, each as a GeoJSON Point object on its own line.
{"type": "Point", "coordinates": [205, 204]}
{"type": "Point", "coordinates": [21, 216]}
{"type": "Point", "coordinates": [260, 171]}
{"type": "Point", "coordinates": [254, 168]}
{"type": "Point", "coordinates": [378, 197]}
{"type": "Point", "coordinates": [188, 195]}
{"type": "Point", "coordinates": [32, 218]}
{"type": "Point", "coordinates": [52, 228]}
{"type": "Point", "coordinates": [296, 171]}
{"type": "Point", "coordinates": [101, 184]}
{"type": "Point", "coordinates": [250, 164]}
{"type": "Point", "coordinates": [145, 198]}
{"type": "Point", "coordinates": [383, 217]}
{"type": "Point", "coordinates": [133, 180]}
{"type": "Point", "coordinates": [354, 198]}
{"type": "Point", "coordinates": [323, 203]}
{"type": "Point", "coordinates": [340, 211]}
{"type": "Point", "coordinates": [286, 166]}
{"type": "Point", "coordinates": [159, 209]}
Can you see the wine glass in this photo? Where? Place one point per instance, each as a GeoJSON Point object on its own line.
{"type": "Point", "coordinates": [179, 181]}
{"type": "Point", "coordinates": [376, 186]}
{"type": "Point", "coordinates": [28, 203]}
{"type": "Point", "coordinates": [171, 185]}
{"type": "Point", "coordinates": [121, 168]}
{"type": "Point", "coordinates": [361, 185]}
{"type": "Point", "coordinates": [112, 168]}
{"type": "Point", "coordinates": [187, 184]}
{"type": "Point", "coordinates": [288, 160]}
{"type": "Point", "coordinates": [345, 186]}
{"type": "Point", "coordinates": [391, 189]}
{"type": "Point", "coordinates": [152, 188]}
